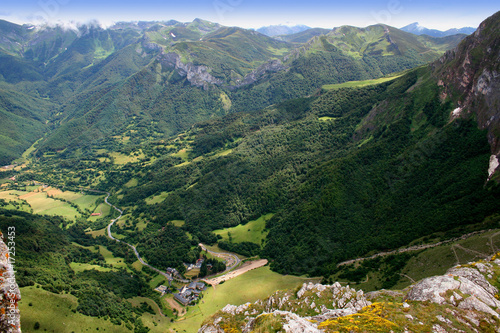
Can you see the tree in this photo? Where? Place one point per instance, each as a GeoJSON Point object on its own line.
{"type": "Point", "coordinates": [203, 269]}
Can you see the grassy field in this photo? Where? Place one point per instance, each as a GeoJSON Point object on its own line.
{"type": "Point", "coordinates": [12, 197]}
{"type": "Point", "coordinates": [101, 232]}
{"type": "Point", "coordinates": [358, 84]}
{"type": "Point", "coordinates": [137, 265]}
{"type": "Point", "coordinates": [192, 273]}
{"type": "Point", "coordinates": [326, 118]}
{"type": "Point", "coordinates": [178, 223]}
{"type": "Point", "coordinates": [42, 201]}
{"type": "Point", "coordinates": [77, 267]}
{"type": "Point", "coordinates": [224, 153]}
{"type": "Point", "coordinates": [141, 225]}
{"type": "Point", "coordinates": [119, 158]}
{"type": "Point", "coordinates": [132, 183]}
{"type": "Point", "coordinates": [110, 259]}
{"type": "Point", "coordinates": [42, 204]}
{"type": "Point", "coordinates": [156, 323]}
{"type": "Point", "coordinates": [156, 198]}
{"type": "Point", "coordinates": [216, 248]}
{"type": "Point", "coordinates": [103, 208]}
{"type": "Point", "coordinates": [157, 280]}
{"type": "Point", "coordinates": [25, 157]}
{"type": "Point", "coordinates": [54, 314]}
{"type": "Point", "coordinates": [84, 201]}
{"type": "Point", "coordinates": [183, 154]}
{"type": "Point", "coordinates": [253, 231]}
{"type": "Point", "coordinates": [438, 260]}
{"type": "Point", "coordinates": [248, 287]}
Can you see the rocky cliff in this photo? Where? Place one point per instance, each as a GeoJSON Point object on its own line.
{"type": "Point", "coordinates": [471, 74]}
{"type": "Point", "coordinates": [10, 295]}
{"type": "Point", "coordinates": [465, 299]}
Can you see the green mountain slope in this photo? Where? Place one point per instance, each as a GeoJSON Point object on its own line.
{"type": "Point", "coordinates": [344, 54]}
{"type": "Point", "coordinates": [303, 36]}
{"type": "Point", "coordinates": [149, 80]}
{"type": "Point", "coordinates": [22, 122]}
{"type": "Point", "coordinates": [347, 172]}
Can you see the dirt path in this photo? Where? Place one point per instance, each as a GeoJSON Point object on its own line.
{"type": "Point", "coordinates": [413, 248]}
{"type": "Point", "coordinates": [174, 305]}
{"type": "Point", "coordinates": [248, 266]}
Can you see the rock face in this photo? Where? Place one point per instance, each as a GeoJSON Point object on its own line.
{"type": "Point", "coordinates": [472, 73]}
{"type": "Point", "coordinates": [198, 76]}
{"type": "Point", "coordinates": [273, 66]}
{"type": "Point", "coordinates": [300, 312]}
{"type": "Point", "coordinates": [462, 300]}
{"type": "Point", "coordinates": [465, 288]}
{"type": "Point", "coordinates": [10, 320]}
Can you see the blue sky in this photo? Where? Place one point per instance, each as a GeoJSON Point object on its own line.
{"type": "Point", "coordinates": [256, 13]}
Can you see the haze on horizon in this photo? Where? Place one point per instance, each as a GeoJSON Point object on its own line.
{"type": "Point", "coordinates": [256, 13]}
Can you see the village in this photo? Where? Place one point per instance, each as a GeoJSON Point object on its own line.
{"type": "Point", "coordinates": [190, 293]}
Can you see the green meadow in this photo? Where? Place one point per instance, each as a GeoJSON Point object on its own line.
{"type": "Point", "coordinates": [358, 84]}
{"type": "Point", "coordinates": [42, 204]}
{"type": "Point", "coordinates": [57, 313]}
{"type": "Point", "coordinates": [254, 231]}
{"type": "Point", "coordinates": [45, 202]}
{"type": "Point", "coordinates": [78, 267]}
{"type": "Point", "coordinates": [119, 158]}
{"type": "Point", "coordinates": [156, 198]}
{"type": "Point", "coordinates": [103, 208]}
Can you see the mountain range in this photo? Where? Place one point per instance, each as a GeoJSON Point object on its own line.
{"type": "Point", "coordinates": [278, 30]}
{"type": "Point", "coordinates": [81, 79]}
{"type": "Point", "coordinates": [417, 29]}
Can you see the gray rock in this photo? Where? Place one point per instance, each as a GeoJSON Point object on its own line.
{"type": "Point", "coordinates": [467, 281]}
{"type": "Point", "coordinates": [198, 76]}
{"type": "Point", "coordinates": [10, 318]}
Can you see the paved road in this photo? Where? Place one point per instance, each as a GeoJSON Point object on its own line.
{"type": "Point", "coordinates": [235, 258]}
{"type": "Point", "coordinates": [169, 278]}
{"type": "Point", "coordinates": [113, 221]}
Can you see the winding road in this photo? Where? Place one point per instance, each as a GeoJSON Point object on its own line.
{"type": "Point", "coordinates": [167, 276]}
{"type": "Point", "coordinates": [236, 260]}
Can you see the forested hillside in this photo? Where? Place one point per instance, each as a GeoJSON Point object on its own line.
{"type": "Point", "coordinates": [346, 172]}
{"type": "Point", "coordinates": [350, 171]}
{"type": "Point", "coordinates": [46, 253]}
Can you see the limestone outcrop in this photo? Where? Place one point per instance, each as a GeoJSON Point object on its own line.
{"type": "Point", "coordinates": [10, 320]}
{"type": "Point", "coordinates": [462, 300]}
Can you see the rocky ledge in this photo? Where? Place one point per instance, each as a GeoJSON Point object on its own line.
{"type": "Point", "coordinates": [465, 299]}
{"type": "Point", "coordinates": [10, 321]}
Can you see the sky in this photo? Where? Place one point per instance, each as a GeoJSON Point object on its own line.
{"type": "Point", "coordinates": [433, 14]}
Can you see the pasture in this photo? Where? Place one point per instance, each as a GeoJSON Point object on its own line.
{"type": "Point", "coordinates": [254, 231]}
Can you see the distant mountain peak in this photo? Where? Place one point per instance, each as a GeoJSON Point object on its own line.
{"type": "Point", "coordinates": [282, 29]}
{"type": "Point", "coordinates": [415, 26]}
{"type": "Point", "coordinates": [417, 29]}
